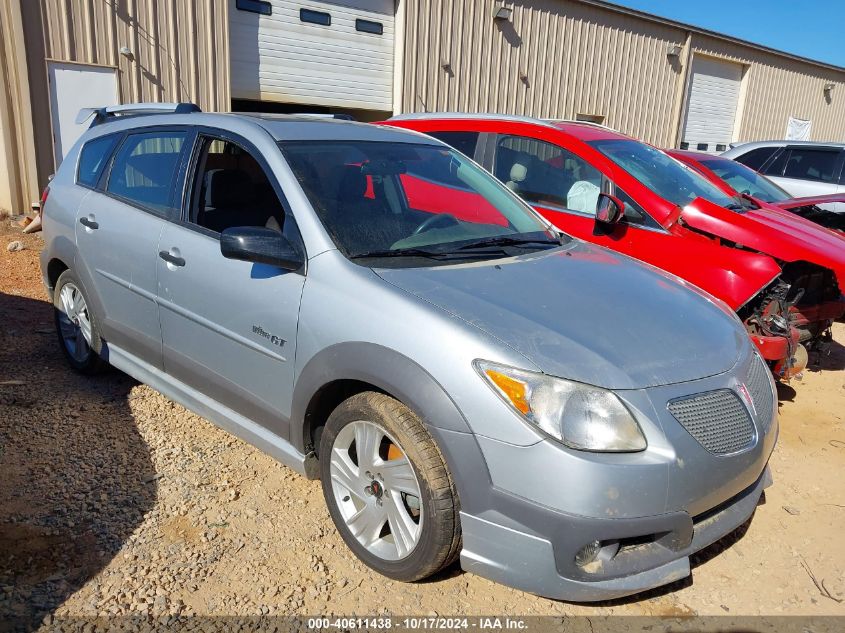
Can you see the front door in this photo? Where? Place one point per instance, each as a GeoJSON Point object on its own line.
{"type": "Point", "coordinates": [565, 189]}
{"type": "Point", "coordinates": [117, 232]}
{"type": "Point", "coordinates": [229, 327]}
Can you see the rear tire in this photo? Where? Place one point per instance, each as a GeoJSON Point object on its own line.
{"type": "Point", "coordinates": [388, 489]}
{"type": "Point", "coordinates": [76, 326]}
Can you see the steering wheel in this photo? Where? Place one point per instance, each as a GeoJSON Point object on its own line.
{"type": "Point", "coordinates": [444, 219]}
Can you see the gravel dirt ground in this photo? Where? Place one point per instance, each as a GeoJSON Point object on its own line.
{"type": "Point", "coordinates": [115, 500]}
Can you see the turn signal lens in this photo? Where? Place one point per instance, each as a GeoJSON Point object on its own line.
{"type": "Point", "coordinates": [514, 390]}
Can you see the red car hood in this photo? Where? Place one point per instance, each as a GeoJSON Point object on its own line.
{"type": "Point", "coordinates": [779, 234]}
{"type": "Point", "coordinates": [795, 203]}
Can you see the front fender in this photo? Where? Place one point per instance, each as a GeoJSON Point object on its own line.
{"type": "Point", "coordinates": [383, 368]}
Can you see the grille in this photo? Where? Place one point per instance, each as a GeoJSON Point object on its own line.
{"type": "Point", "coordinates": [717, 419]}
{"type": "Point", "coordinates": [760, 389]}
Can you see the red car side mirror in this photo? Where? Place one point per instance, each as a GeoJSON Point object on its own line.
{"type": "Point", "coordinates": [609, 209]}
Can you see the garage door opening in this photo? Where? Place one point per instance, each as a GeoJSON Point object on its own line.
{"type": "Point", "coordinates": [333, 54]}
{"type": "Point", "coordinates": [275, 107]}
{"type": "Point", "coordinates": [712, 103]}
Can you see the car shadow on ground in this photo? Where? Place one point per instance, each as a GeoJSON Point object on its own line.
{"type": "Point", "coordinates": [831, 358]}
{"type": "Point", "coordinates": [76, 478]}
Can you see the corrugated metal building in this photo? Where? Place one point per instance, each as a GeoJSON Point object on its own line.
{"type": "Point", "coordinates": [668, 83]}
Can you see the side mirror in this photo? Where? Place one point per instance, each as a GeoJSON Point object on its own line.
{"type": "Point", "coordinates": [260, 245]}
{"type": "Point", "coordinates": [609, 209]}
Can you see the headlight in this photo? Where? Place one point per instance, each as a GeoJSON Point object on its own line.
{"type": "Point", "coordinates": [581, 416]}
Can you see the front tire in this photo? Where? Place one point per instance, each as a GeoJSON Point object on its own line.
{"type": "Point", "coordinates": [76, 326]}
{"type": "Point", "coordinates": [388, 489]}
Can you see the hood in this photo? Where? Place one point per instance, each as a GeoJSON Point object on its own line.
{"type": "Point", "coordinates": [779, 234]}
{"type": "Point", "coordinates": [587, 314]}
{"type": "Point", "coordinates": [795, 203]}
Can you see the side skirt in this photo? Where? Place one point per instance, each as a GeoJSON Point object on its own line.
{"type": "Point", "coordinates": [222, 416]}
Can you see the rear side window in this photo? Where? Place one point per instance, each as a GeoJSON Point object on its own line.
{"type": "Point", "coordinates": [811, 164]}
{"type": "Point", "coordinates": [756, 158]}
{"type": "Point", "coordinates": [464, 142]}
{"type": "Point", "coordinates": [145, 170]}
{"type": "Point", "coordinates": [93, 158]}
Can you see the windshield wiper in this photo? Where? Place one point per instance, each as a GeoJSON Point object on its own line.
{"type": "Point", "coordinates": [507, 240]}
{"type": "Point", "coordinates": [399, 252]}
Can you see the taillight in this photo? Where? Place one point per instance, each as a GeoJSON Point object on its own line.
{"type": "Point", "coordinates": [44, 195]}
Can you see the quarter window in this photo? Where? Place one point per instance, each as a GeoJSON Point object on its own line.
{"type": "Point", "coordinates": [547, 175]}
{"type": "Point", "coordinates": [756, 157]}
{"type": "Point", "coordinates": [145, 170]}
{"type": "Point", "coordinates": [93, 158]}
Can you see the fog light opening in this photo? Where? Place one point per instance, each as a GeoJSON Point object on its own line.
{"type": "Point", "coordinates": [592, 554]}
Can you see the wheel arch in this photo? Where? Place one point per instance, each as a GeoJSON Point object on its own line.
{"type": "Point", "coordinates": [342, 370]}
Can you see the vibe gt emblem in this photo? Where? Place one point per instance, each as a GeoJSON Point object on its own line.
{"type": "Point", "coordinates": [275, 340]}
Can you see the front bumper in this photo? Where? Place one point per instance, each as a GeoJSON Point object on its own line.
{"type": "Point", "coordinates": [655, 549]}
{"type": "Point", "coordinates": [528, 510]}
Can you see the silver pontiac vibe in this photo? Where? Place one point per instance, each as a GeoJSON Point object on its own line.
{"type": "Point", "coordinates": [373, 309]}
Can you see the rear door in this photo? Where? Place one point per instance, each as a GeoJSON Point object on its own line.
{"type": "Point", "coordinates": [118, 227]}
{"type": "Point", "coordinates": [229, 327]}
{"type": "Point", "coordinates": [807, 170]}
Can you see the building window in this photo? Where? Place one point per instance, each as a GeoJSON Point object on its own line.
{"type": "Point", "coordinates": [315, 17]}
{"type": "Point", "coordinates": [721, 147]}
{"type": "Point", "coordinates": [684, 145]}
{"type": "Point", "coordinates": [702, 147]}
{"type": "Point", "coordinates": [368, 26]}
{"type": "Point", "coordinates": [254, 6]}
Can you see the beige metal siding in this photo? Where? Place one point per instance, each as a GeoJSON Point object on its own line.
{"type": "Point", "coordinates": [556, 58]}
{"type": "Point", "coordinates": [778, 87]}
{"type": "Point", "coordinates": [559, 58]}
{"type": "Point", "coordinates": [180, 48]}
{"type": "Point", "coordinates": [18, 181]}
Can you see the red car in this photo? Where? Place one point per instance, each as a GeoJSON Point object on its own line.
{"type": "Point", "coordinates": [658, 211]}
{"type": "Point", "coordinates": [734, 178]}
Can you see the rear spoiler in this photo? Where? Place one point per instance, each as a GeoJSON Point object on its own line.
{"type": "Point", "coordinates": [101, 115]}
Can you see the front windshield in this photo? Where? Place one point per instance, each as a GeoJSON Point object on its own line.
{"type": "Point", "coordinates": [744, 179]}
{"type": "Point", "coordinates": [661, 173]}
{"type": "Point", "coordinates": [388, 199]}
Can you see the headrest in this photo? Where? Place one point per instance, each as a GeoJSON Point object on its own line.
{"type": "Point", "coordinates": [353, 184]}
{"type": "Point", "coordinates": [518, 172]}
{"type": "Point", "coordinates": [228, 188]}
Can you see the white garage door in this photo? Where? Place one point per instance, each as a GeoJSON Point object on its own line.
{"type": "Point", "coordinates": [319, 52]}
{"type": "Point", "coordinates": [711, 104]}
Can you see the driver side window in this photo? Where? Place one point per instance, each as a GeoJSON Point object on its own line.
{"type": "Point", "coordinates": [232, 189]}
{"type": "Point", "coordinates": [546, 174]}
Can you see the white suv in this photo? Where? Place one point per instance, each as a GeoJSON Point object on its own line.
{"type": "Point", "coordinates": [802, 168]}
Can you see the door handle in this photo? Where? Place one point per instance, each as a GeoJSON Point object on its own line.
{"type": "Point", "coordinates": [89, 222]}
{"type": "Point", "coordinates": [172, 259]}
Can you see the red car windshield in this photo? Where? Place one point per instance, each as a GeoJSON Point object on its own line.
{"type": "Point", "coordinates": [744, 179]}
{"type": "Point", "coordinates": [665, 176]}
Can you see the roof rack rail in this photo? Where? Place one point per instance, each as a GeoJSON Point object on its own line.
{"type": "Point", "coordinates": [101, 115]}
{"type": "Point", "coordinates": [410, 116]}
{"type": "Point", "coordinates": [324, 115]}
{"type": "Point", "coordinates": [592, 123]}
